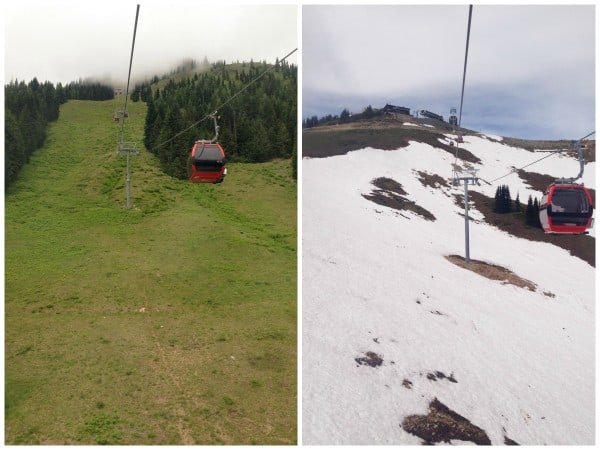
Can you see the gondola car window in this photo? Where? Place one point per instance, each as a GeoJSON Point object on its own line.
{"type": "Point", "coordinates": [209, 152]}
{"type": "Point", "coordinates": [569, 201]}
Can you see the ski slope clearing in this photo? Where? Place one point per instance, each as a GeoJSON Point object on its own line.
{"type": "Point", "coordinates": [403, 346]}
{"type": "Point", "coordinates": [170, 323]}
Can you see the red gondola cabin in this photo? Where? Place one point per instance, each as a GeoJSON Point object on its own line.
{"type": "Point", "coordinates": [206, 163]}
{"type": "Point", "coordinates": [566, 209]}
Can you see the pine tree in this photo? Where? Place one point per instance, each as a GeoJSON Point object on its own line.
{"type": "Point", "coordinates": [149, 125]}
{"type": "Point", "coordinates": [502, 200]}
{"type": "Point", "coordinates": [28, 110]}
{"type": "Point", "coordinates": [14, 150]}
{"type": "Point", "coordinates": [135, 94]}
{"type": "Point", "coordinates": [345, 115]}
{"type": "Point", "coordinates": [536, 215]}
{"type": "Point", "coordinates": [281, 141]}
{"type": "Point", "coordinates": [498, 200]}
{"type": "Point", "coordinates": [258, 125]}
{"type": "Point", "coordinates": [517, 203]}
{"type": "Point", "coordinates": [145, 92]}
{"type": "Point", "coordinates": [368, 112]}
{"type": "Point", "coordinates": [506, 200]}
{"type": "Point", "coordinates": [295, 161]}
{"type": "Point", "coordinates": [258, 148]}
{"type": "Point", "coordinates": [530, 213]}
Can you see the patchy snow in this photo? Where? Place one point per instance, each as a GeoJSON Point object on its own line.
{"type": "Point", "coordinates": [498, 160]}
{"type": "Point", "coordinates": [410, 124]}
{"type": "Point", "coordinates": [493, 137]}
{"type": "Point", "coordinates": [377, 280]}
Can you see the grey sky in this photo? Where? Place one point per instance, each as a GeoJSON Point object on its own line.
{"type": "Point", "coordinates": [62, 42]}
{"type": "Point", "coordinates": [530, 73]}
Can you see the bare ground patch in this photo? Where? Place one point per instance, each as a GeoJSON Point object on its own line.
{"type": "Point", "coordinates": [438, 375]}
{"type": "Point", "coordinates": [371, 359]}
{"type": "Point", "coordinates": [589, 151]}
{"type": "Point", "coordinates": [432, 180]}
{"type": "Point", "coordinates": [391, 194]}
{"type": "Point", "coordinates": [537, 181]}
{"type": "Point", "coordinates": [442, 424]}
{"type": "Point", "coordinates": [382, 133]}
{"type": "Point", "coordinates": [492, 271]}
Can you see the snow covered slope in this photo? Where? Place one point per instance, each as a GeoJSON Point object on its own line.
{"type": "Point", "coordinates": [516, 363]}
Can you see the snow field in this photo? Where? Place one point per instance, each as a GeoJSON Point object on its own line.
{"type": "Point", "coordinates": [376, 279]}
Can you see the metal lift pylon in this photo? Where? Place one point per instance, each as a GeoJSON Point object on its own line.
{"type": "Point", "coordinates": [466, 178]}
{"type": "Point", "coordinates": [124, 147]}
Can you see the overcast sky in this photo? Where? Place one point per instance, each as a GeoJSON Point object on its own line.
{"type": "Point", "coordinates": [530, 70]}
{"type": "Point", "coordinates": [62, 42]}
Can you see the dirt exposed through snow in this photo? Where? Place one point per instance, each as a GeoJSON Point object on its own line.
{"type": "Point", "coordinates": [391, 194]}
{"type": "Point", "coordinates": [370, 359]}
{"type": "Point", "coordinates": [492, 271]}
{"type": "Point", "coordinates": [442, 424]}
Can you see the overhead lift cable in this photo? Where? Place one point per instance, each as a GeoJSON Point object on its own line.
{"type": "Point", "coordinates": [552, 153]}
{"type": "Point", "coordinates": [566, 206]}
{"type": "Point", "coordinates": [208, 116]}
{"type": "Point", "coordinates": [462, 93]}
{"type": "Point", "coordinates": [471, 177]}
{"type": "Point", "coordinates": [128, 148]}
{"type": "Point", "coordinates": [137, 12]}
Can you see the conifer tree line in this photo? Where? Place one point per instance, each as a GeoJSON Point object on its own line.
{"type": "Point", "coordinates": [29, 108]}
{"type": "Point", "coordinates": [503, 204]}
{"type": "Point", "coordinates": [87, 90]}
{"type": "Point", "coordinates": [532, 216]}
{"type": "Point", "coordinates": [502, 200]}
{"type": "Point", "coordinates": [345, 116]}
{"type": "Point", "coordinates": [258, 125]}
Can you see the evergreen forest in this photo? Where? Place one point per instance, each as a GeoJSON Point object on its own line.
{"type": "Point", "coordinates": [503, 204]}
{"type": "Point", "coordinates": [256, 117]}
{"type": "Point", "coordinates": [29, 108]}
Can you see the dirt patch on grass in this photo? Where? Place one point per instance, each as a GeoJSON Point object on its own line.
{"type": "Point", "coordinates": [391, 194]}
{"type": "Point", "coordinates": [442, 424]}
{"type": "Point", "coordinates": [582, 246]}
{"type": "Point", "coordinates": [492, 271]}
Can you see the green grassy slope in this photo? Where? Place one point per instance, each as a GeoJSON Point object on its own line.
{"type": "Point", "coordinates": [173, 322]}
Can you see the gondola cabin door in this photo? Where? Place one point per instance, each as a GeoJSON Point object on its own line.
{"type": "Point", "coordinates": [206, 163]}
